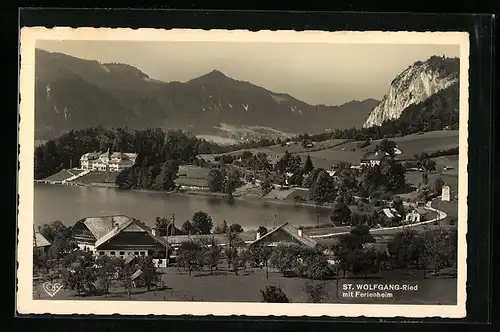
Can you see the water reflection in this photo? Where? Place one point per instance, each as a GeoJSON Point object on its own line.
{"type": "Point", "coordinates": [71, 203]}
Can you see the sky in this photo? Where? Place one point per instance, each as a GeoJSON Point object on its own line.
{"type": "Point", "coordinates": [323, 73]}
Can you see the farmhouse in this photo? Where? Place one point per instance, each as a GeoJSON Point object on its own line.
{"type": "Point", "coordinates": [40, 242]}
{"type": "Point", "coordinates": [285, 233]}
{"type": "Point", "coordinates": [390, 216]}
{"type": "Point", "coordinates": [118, 236]}
{"type": "Point", "coordinates": [116, 161]}
{"type": "Point", "coordinates": [417, 214]}
{"type": "Point", "coordinates": [373, 158]}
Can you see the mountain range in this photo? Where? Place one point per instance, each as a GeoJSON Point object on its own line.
{"type": "Point", "coordinates": [73, 93]}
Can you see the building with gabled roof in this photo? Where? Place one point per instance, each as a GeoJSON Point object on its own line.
{"type": "Point", "coordinates": [40, 242]}
{"type": "Point", "coordinates": [107, 161]}
{"type": "Point", "coordinates": [117, 236]}
{"type": "Point", "coordinates": [285, 233]}
{"type": "Point", "coordinates": [373, 158]}
{"type": "Point", "coordinates": [417, 214]}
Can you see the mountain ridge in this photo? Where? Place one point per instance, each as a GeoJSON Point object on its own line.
{"type": "Point", "coordinates": [130, 97]}
{"type": "Point", "coordinates": [414, 85]}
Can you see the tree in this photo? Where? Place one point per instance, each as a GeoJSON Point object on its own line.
{"type": "Point", "coordinates": [262, 230]}
{"type": "Point", "coordinates": [439, 249]}
{"type": "Point", "coordinates": [106, 271]}
{"type": "Point", "coordinates": [274, 294]}
{"type": "Point", "coordinates": [438, 185]}
{"type": "Point", "coordinates": [424, 193]}
{"type": "Point", "coordinates": [125, 272]}
{"type": "Point", "coordinates": [55, 230]}
{"type": "Point", "coordinates": [202, 222]}
{"type": "Point", "coordinates": [266, 186]}
{"type": "Point", "coordinates": [429, 165]}
{"type": "Point", "coordinates": [312, 177]}
{"type": "Point", "coordinates": [82, 275]}
{"type": "Point", "coordinates": [314, 265]}
{"type": "Point", "coordinates": [149, 273]}
{"type": "Point", "coordinates": [231, 181]}
{"type": "Point", "coordinates": [261, 255]}
{"type": "Point", "coordinates": [387, 146]}
{"type": "Point", "coordinates": [213, 253]}
{"type": "Point", "coordinates": [189, 255]}
{"type": "Point", "coordinates": [284, 258]}
{"type": "Point", "coordinates": [315, 291]}
{"type": "Point", "coordinates": [236, 228]}
{"type": "Point", "coordinates": [222, 228]}
{"type": "Point", "coordinates": [188, 228]}
{"type": "Point", "coordinates": [393, 174]}
{"type": "Point", "coordinates": [308, 165]}
{"type": "Point", "coordinates": [341, 213]}
{"type": "Point", "coordinates": [215, 180]}
{"type": "Point", "coordinates": [162, 225]}
{"type": "Point", "coordinates": [323, 189]}
{"type": "Point", "coordinates": [296, 179]}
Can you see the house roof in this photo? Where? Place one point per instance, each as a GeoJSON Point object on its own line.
{"type": "Point", "coordinates": [219, 238]}
{"type": "Point", "coordinates": [40, 241]}
{"type": "Point", "coordinates": [121, 227]}
{"type": "Point", "coordinates": [391, 212]}
{"type": "Point", "coordinates": [378, 155]}
{"type": "Point", "coordinates": [420, 210]}
{"type": "Point", "coordinates": [293, 232]}
{"type": "Point", "coordinates": [136, 275]}
{"type": "Point", "coordinates": [100, 226]}
{"type": "Point", "coordinates": [90, 155]}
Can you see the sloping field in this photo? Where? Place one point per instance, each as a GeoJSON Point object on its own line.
{"type": "Point", "coordinates": [409, 145]}
{"type": "Point", "coordinates": [97, 176]}
{"type": "Point", "coordinates": [63, 175]}
{"type": "Point", "coordinates": [325, 154]}
{"type": "Point", "coordinates": [194, 172]}
{"type": "Point", "coordinates": [294, 148]}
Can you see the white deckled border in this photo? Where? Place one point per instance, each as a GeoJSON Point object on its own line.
{"type": "Point", "coordinates": [25, 302]}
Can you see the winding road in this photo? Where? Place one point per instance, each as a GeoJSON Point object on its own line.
{"type": "Point", "coordinates": [440, 216]}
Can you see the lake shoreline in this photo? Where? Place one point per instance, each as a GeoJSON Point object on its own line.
{"type": "Point", "coordinates": [196, 193]}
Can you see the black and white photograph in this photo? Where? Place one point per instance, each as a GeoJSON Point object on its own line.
{"type": "Point", "coordinates": [237, 172]}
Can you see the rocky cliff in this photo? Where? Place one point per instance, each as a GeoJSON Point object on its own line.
{"type": "Point", "coordinates": [413, 86]}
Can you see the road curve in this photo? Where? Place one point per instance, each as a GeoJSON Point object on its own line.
{"type": "Point", "coordinates": [441, 215]}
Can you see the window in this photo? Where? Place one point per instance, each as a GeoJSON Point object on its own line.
{"type": "Point", "coordinates": [136, 253]}
{"type": "Point", "coordinates": [142, 253]}
{"type": "Point", "coordinates": [112, 253]}
{"type": "Point", "coordinates": [122, 253]}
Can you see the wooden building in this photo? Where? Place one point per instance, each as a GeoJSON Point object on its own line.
{"type": "Point", "coordinates": [119, 236]}
{"type": "Point", "coordinates": [40, 242]}
{"type": "Point", "coordinates": [285, 233]}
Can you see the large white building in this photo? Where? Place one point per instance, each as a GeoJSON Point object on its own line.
{"type": "Point", "coordinates": [116, 161]}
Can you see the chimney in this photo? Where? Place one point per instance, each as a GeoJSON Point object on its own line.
{"type": "Point", "coordinates": [299, 231]}
{"type": "Point", "coordinates": [153, 231]}
{"type": "Point", "coordinates": [257, 236]}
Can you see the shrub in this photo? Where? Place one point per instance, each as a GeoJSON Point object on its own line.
{"type": "Point", "coordinates": [274, 294]}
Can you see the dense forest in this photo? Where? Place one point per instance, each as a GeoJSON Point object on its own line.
{"type": "Point", "coordinates": [153, 146]}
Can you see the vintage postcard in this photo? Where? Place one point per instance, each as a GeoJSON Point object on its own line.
{"type": "Point", "coordinates": [217, 172]}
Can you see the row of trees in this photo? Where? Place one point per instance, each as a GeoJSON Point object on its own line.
{"type": "Point", "coordinates": [85, 273]}
{"type": "Point", "coordinates": [201, 223]}
{"type": "Point", "coordinates": [224, 180]}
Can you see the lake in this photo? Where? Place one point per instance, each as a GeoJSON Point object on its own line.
{"type": "Point", "coordinates": [71, 203]}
